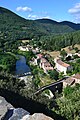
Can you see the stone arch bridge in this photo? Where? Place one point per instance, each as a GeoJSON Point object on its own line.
{"type": "Point", "coordinates": [53, 87]}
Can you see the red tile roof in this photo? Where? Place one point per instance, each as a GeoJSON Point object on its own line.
{"type": "Point", "coordinates": [39, 55]}
{"type": "Point", "coordinates": [62, 63]}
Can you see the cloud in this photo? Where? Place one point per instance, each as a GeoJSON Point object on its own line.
{"type": "Point", "coordinates": [75, 9]}
{"type": "Point", "coordinates": [24, 9]}
{"type": "Point", "coordinates": [33, 16]}
{"type": "Point", "coordinates": [30, 16]}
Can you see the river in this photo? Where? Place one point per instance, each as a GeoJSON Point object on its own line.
{"type": "Point", "coordinates": [21, 66]}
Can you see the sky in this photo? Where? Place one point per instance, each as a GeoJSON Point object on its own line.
{"type": "Point", "coordinates": [59, 10]}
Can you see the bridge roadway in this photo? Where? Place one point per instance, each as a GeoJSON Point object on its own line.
{"type": "Point", "coordinates": [50, 85]}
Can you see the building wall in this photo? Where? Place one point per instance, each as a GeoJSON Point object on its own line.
{"type": "Point", "coordinates": [69, 68]}
{"type": "Point", "coordinates": [77, 80]}
{"type": "Point", "coordinates": [61, 68]}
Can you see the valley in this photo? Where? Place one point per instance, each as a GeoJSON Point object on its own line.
{"type": "Point", "coordinates": [40, 56]}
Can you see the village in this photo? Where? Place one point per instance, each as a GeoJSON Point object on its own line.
{"type": "Point", "coordinates": [63, 68]}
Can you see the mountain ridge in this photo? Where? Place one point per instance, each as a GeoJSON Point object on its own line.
{"type": "Point", "coordinates": [14, 25]}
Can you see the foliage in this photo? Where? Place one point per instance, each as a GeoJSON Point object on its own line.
{"type": "Point", "coordinates": [7, 81]}
{"type": "Point", "coordinates": [28, 54]}
{"type": "Point", "coordinates": [61, 75]}
{"type": "Point", "coordinates": [76, 66]}
{"type": "Point", "coordinates": [69, 105]}
{"type": "Point", "coordinates": [13, 28]}
{"type": "Point", "coordinates": [63, 53]}
{"type": "Point", "coordinates": [59, 41]}
{"type": "Point", "coordinates": [54, 74]}
{"type": "Point", "coordinates": [7, 61]}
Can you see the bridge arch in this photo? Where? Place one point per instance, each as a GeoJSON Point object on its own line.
{"type": "Point", "coordinates": [52, 87]}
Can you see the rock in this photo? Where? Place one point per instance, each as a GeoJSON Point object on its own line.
{"type": "Point", "coordinates": [38, 116]}
{"type": "Point", "coordinates": [8, 112]}
{"type": "Point", "coordinates": [19, 114]}
{"type": "Point", "coordinates": [4, 106]}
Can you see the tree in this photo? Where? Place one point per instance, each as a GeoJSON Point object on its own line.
{"type": "Point", "coordinates": [63, 53]}
{"type": "Point", "coordinates": [69, 105]}
{"type": "Point", "coordinates": [76, 49]}
{"type": "Point", "coordinates": [54, 74]}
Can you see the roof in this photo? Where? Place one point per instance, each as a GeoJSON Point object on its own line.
{"type": "Point", "coordinates": [69, 81]}
{"type": "Point", "coordinates": [62, 63]}
{"type": "Point", "coordinates": [39, 55]}
{"type": "Point", "coordinates": [49, 68]}
{"type": "Point", "coordinates": [47, 64]}
{"type": "Point", "coordinates": [77, 76]}
{"type": "Point", "coordinates": [43, 60]}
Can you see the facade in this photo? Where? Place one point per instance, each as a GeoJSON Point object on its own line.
{"type": "Point", "coordinates": [77, 78]}
{"type": "Point", "coordinates": [45, 65]}
{"type": "Point", "coordinates": [39, 56]}
{"type": "Point", "coordinates": [23, 48]}
{"type": "Point", "coordinates": [78, 54]}
{"type": "Point", "coordinates": [62, 66]}
{"type": "Point", "coordinates": [69, 82]}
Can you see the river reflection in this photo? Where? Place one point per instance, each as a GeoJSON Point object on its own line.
{"type": "Point", "coordinates": [21, 66]}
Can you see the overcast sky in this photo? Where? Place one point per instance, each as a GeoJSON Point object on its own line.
{"type": "Point", "coordinates": [58, 10]}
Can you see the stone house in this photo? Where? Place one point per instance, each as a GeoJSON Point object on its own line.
{"type": "Point", "coordinates": [77, 78]}
{"type": "Point", "coordinates": [69, 82]}
{"type": "Point", "coordinates": [62, 66]}
{"type": "Point", "coordinates": [45, 65]}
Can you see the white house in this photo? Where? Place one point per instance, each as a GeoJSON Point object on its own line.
{"type": "Point", "coordinates": [62, 66]}
{"type": "Point", "coordinates": [23, 48]}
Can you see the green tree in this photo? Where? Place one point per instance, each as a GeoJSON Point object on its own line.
{"type": "Point", "coordinates": [54, 74]}
{"type": "Point", "coordinates": [63, 53]}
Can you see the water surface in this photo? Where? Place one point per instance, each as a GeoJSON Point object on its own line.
{"type": "Point", "coordinates": [21, 66]}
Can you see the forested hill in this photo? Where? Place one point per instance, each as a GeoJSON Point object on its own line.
{"type": "Point", "coordinates": [67, 25]}
{"type": "Point", "coordinates": [16, 26]}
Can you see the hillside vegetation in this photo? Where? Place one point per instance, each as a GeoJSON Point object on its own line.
{"type": "Point", "coordinates": [14, 27]}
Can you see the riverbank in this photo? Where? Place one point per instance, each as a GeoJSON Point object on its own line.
{"type": "Point", "coordinates": [21, 67]}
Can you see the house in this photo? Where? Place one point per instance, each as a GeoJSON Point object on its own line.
{"type": "Point", "coordinates": [62, 66]}
{"type": "Point", "coordinates": [69, 82]}
{"type": "Point", "coordinates": [23, 48]}
{"type": "Point", "coordinates": [37, 59]}
{"type": "Point", "coordinates": [45, 65]}
{"type": "Point", "coordinates": [77, 78]}
{"type": "Point", "coordinates": [36, 50]}
{"type": "Point", "coordinates": [78, 54]}
{"type": "Point", "coordinates": [39, 56]}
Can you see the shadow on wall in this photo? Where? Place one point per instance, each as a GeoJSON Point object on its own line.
{"type": "Point", "coordinates": [31, 106]}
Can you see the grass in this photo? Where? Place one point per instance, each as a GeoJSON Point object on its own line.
{"type": "Point", "coordinates": [68, 50]}
{"type": "Point", "coordinates": [78, 46]}
{"type": "Point", "coordinates": [3, 66]}
{"type": "Point", "coordinates": [55, 54]}
{"type": "Point", "coordinates": [46, 80]}
{"type": "Point", "coordinates": [14, 55]}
